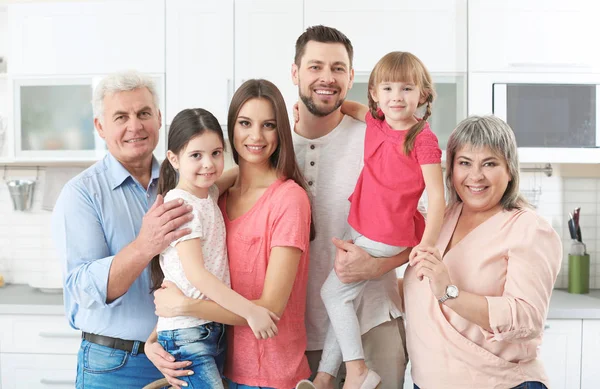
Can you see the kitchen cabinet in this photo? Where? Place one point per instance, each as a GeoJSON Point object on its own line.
{"type": "Point", "coordinates": [86, 37]}
{"type": "Point", "coordinates": [199, 56]}
{"type": "Point", "coordinates": [279, 23]}
{"type": "Point", "coordinates": [590, 355]}
{"type": "Point", "coordinates": [434, 30]}
{"type": "Point", "coordinates": [37, 351]}
{"type": "Point", "coordinates": [561, 353]}
{"type": "Point", "coordinates": [533, 36]}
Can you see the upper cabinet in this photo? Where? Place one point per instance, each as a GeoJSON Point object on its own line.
{"type": "Point", "coordinates": [99, 37]}
{"type": "Point", "coordinates": [533, 36]}
{"type": "Point", "coordinates": [199, 55]}
{"type": "Point", "coordinates": [265, 37]}
{"type": "Point", "coordinates": [434, 30]}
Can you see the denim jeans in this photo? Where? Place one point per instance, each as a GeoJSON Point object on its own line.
{"type": "Point", "coordinates": [524, 385]}
{"type": "Point", "coordinates": [233, 385]}
{"type": "Point", "coordinates": [204, 346]}
{"type": "Point", "coordinates": [101, 367]}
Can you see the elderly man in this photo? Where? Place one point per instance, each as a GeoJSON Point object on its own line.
{"type": "Point", "coordinates": [107, 224]}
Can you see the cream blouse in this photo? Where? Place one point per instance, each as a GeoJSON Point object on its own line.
{"type": "Point", "coordinates": [512, 259]}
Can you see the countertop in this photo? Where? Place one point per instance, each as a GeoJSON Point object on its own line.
{"type": "Point", "coordinates": [25, 300]}
{"type": "Point", "coordinates": [17, 299]}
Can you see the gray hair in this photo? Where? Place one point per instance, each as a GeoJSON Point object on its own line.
{"type": "Point", "coordinates": [121, 82]}
{"type": "Point", "coordinates": [486, 131]}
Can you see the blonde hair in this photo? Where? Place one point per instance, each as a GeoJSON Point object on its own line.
{"type": "Point", "coordinates": [492, 132]}
{"type": "Point", "coordinates": [401, 66]}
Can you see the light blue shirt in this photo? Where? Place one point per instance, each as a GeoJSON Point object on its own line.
{"type": "Point", "coordinates": [97, 214]}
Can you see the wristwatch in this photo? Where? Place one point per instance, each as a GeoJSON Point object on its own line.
{"type": "Point", "coordinates": [451, 293]}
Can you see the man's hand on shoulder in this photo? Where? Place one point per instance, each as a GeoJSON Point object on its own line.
{"type": "Point", "coordinates": [160, 224]}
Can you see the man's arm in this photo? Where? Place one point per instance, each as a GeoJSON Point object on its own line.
{"type": "Point", "coordinates": [159, 228]}
{"type": "Point", "coordinates": [353, 264]}
{"type": "Point", "coordinates": [92, 275]}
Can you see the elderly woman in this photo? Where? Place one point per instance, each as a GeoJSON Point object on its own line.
{"type": "Point", "coordinates": [476, 303]}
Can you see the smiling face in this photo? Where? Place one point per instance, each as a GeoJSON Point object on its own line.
{"type": "Point", "coordinates": [399, 102]}
{"type": "Point", "coordinates": [480, 178]}
{"type": "Point", "coordinates": [199, 164]}
{"type": "Point", "coordinates": [323, 77]}
{"type": "Point", "coordinates": [130, 125]}
{"type": "Point", "coordinates": [255, 132]}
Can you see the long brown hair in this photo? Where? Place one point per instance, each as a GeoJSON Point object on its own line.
{"type": "Point", "coordinates": [185, 126]}
{"type": "Point", "coordinates": [401, 66]}
{"type": "Point", "coordinates": [283, 159]}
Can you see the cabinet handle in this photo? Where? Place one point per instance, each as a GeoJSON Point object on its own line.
{"type": "Point", "coordinates": [49, 381]}
{"type": "Point", "coordinates": [547, 65]}
{"type": "Point", "coordinates": [546, 327]}
{"type": "Point", "coordinates": [229, 96]}
{"type": "Point", "coordinates": [44, 334]}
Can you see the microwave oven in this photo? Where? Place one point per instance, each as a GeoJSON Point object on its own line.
{"type": "Point", "coordinates": [545, 110]}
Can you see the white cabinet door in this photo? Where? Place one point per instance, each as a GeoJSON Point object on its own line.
{"type": "Point", "coordinates": [265, 37]}
{"type": "Point", "coordinates": [199, 56]}
{"type": "Point", "coordinates": [561, 353]}
{"type": "Point", "coordinates": [533, 35]}
{"type": "Point", "coordinates": [433, 30]}
{"type": "Point", "coordinates": [590, 355]}
{"type": "Point", "coordinates": [81, 37]}
{"type": "Point", "coordinates": [38, 371]}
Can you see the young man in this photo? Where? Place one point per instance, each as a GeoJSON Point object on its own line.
{"type": "Point", "coordinates": [107, 227]}
{"type": "Point", "coordinates": [329, 149]}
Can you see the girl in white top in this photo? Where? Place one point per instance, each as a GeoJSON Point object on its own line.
{"type": "Point", "coordinates": [197, 263]}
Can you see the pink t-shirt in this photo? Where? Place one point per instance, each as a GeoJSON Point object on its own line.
{"type": "Point", "coordinates": [280, 218]}
{"type": "Point", "coordinates": [385, 199]}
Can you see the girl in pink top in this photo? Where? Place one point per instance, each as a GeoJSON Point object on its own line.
{"type": "Point", "coordinates": [477, 320]}
{"type": "Point", "coordinates": [402, 158]}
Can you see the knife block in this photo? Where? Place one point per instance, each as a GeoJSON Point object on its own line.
{"type": "Point", "coordinates": [579, 274]}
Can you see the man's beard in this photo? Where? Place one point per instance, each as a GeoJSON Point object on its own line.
{"type": "Point", "coordinates": [312, 107]}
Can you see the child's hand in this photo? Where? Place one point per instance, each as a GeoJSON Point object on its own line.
{"type": "Point", "coordinates": [420, 248]}
{"type": "Point", "coordinates": [262, 322]}
{"type": "Point", "coordinates": [296, 113]}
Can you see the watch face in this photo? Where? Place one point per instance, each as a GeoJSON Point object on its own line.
{"type": "Point", "coordinates": [452, 291]}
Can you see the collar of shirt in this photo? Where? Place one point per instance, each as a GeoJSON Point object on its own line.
{"type": "Point", "coordinates": [118, 174]}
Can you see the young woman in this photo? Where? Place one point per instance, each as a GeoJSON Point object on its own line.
{"type": "Point", "coordinates": [268, 220]}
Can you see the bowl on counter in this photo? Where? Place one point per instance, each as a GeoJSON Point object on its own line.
{"type": "Point", "coordinates": [46, 282]}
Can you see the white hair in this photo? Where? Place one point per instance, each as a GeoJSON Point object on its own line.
{"type": "Point", "coordinates": [121, 82]}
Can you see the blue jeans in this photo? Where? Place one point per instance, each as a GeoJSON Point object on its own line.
{"type": "Point", "coordinates": [233, 385]}
{"type": "Point", "coordinates": [524, 385]}
{"type": "Point", "coordinates": [101, 367]}
{"type": "Point", "coordinates": [204, 346]}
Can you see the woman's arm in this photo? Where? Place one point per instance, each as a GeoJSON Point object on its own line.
{"type": "Point", "coordinates": [227, 179]}
{"type": "Point", "coordinates": [428, 263]}
{"type": "Point", "coordinates": [279, 280]}
{"type": "Point", "coordinates": [357, 110]}
{"type": "Point", "coordinates": [517, 315]}
{"type": "Point", "coordinates": [436, 203]}
{"type": "Point", "coordinates": [192, 261]}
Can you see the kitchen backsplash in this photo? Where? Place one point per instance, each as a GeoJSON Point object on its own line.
{"type": "Point", "coordinates": [27, 249]}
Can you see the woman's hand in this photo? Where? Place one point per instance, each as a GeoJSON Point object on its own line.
{"type": "Point", "coordinates": [169, 301]}
{"type": "Point", "coordinates": [166, 364]}
{"type": "Point", "coordinates": [428, 263]}
{"type": "Point", "coordinates": [262, 322]}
